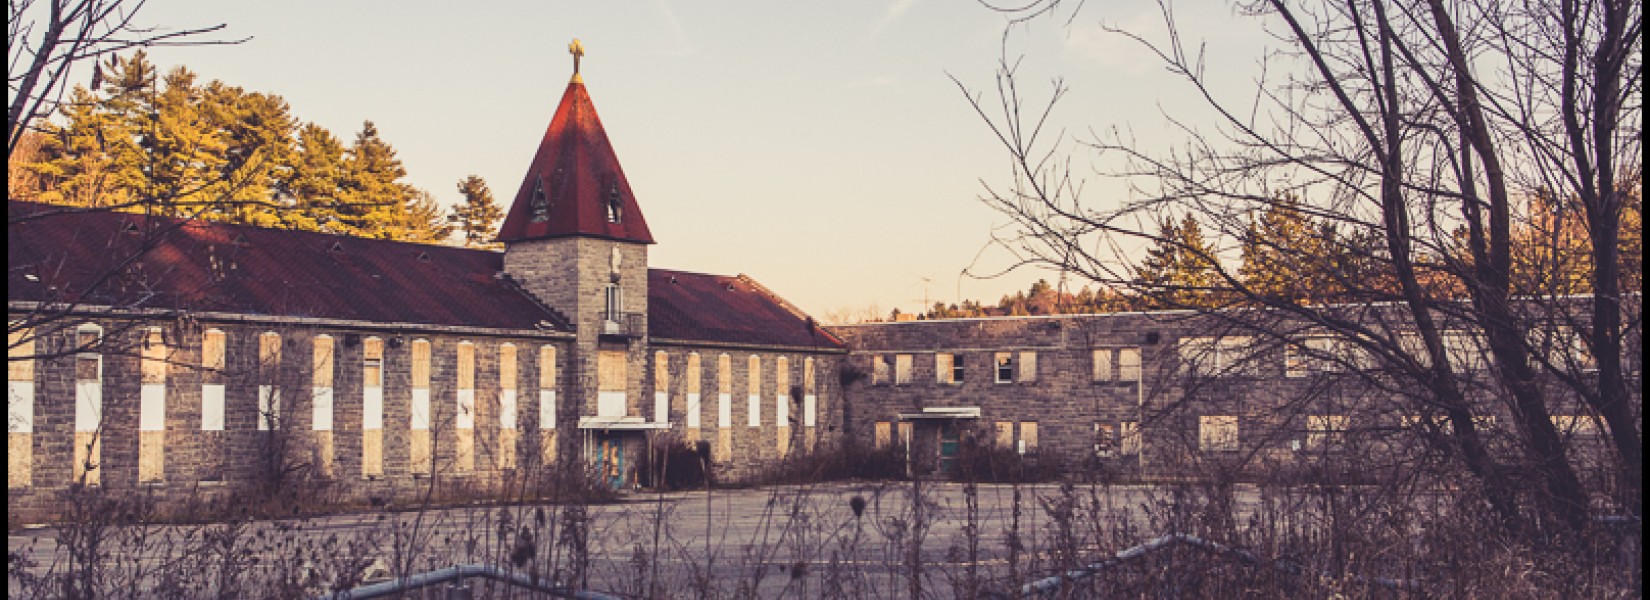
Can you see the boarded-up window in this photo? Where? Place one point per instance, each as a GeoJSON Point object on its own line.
{"type": "Point", "coordinates": [879, 369]}
{"type": "Point", "coordinates": [1465, 350]}
{"type": "Point", "coordinates": [322, 365]}
{"type": "Point", "coordinates": [611, 370]}
{"type": "Point", "coordinates": [88, 414]}
{"type": "Point", "coordinates": [810, 398]}
{"type": "Point", "coordinates": [724, 391]}
{"type": "Point", "coordinates": [1028, 366]}
{"type": "Point", "coordinates": [942, 368]}
{"type": "Point", "coordinates": [1003, 434]}
{"type": "Point", "coordinates": [152, 408]}
{"type": "Point", "coordinates": [1128, 364]}
{"type": "Point", "coordinates": [547, 404]}
{"type": "Point", "coordinates": [694, 378]}
{"type": "Point", "coordinates": [1128, 433]}
{"type": "Point", "coordinates": [753, 380]}
{"type": "Point", "coordinates": [269, 384]}
{"type": "Point", "coordinates": [507, 378]}
{"type": "Point", "coordinates": [1028, 437]}
{"type": "Point", "coordinates": [213, 357]}
{"type": "Point", "coordinates": [464, 422]}
{"type": "Point", "coordinates": [661, 387]}
{"type": "Point", "coordinates": [372, 407]}
{"type": "Point", "coordinates": [19, 407]}
{"type": "Point", "coordinates": [884, 434]}
{"type": "Point", "coordinates": [1323, 431]}
{"type": "Point", "coordinates": [418, 438]}
{"type": "Point", "coordinates": [1103, 364]}
{"type": "Point", "coordinates": [323, 361]}
{"type": "Point", "coordinates": [547, 387]}
{"type": "Point", "coordinates": [782, 391]}
{"type": "Point", "coordinates": [902, 369]}
{"type": "Point", "coordinates": [1218, 433]}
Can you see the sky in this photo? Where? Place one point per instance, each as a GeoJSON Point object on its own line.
{"type": "Point", "coordinates": [821, 148]}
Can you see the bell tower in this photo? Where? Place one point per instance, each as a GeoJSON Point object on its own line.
{"type": "Point", "coordinates": [575, 238]}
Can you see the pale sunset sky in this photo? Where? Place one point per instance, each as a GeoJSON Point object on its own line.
{"type": "Point", "coordinates": [820, 148]}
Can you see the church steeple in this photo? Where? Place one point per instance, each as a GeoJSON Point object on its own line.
{"type": "Point", "coordinates": [575, 186]}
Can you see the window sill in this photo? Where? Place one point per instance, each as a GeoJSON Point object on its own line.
{"type": "Point", "coordinates": [211, 483]}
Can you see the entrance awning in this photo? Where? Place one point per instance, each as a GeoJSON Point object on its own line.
{"type": "Point", "coordinates": [620, 423]}
{"type": "Point", "coordinates": [943, 412]}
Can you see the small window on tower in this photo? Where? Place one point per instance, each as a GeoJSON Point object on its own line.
{"type": "Point", "coordinates": [540, 204]}
{"type": "Point", "coordinates": [613, 204]}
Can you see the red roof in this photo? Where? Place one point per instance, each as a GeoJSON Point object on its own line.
{"type": "Point", "coordinates": [202, 266]}
{"type": "Point", "coordinates": [574, 179]}
{"type": "Point", "coordinates": [719, 308]}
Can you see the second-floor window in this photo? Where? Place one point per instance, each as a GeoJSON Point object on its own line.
{"type": "Point", "coordinates": [615, 302]}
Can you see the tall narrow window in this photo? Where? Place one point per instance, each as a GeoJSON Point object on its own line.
{"type": "Point", "coordinates": [539, 204]}
{"type": "Point", "coordinates": [372, 407]}
{"type": "Point", "coordinates": [661, 387]}
{"type": "Point", "coordinates": [724, 407]}
{"type": "Point", "coordinates": [507, 381]}
{"type": "Point", "coordinates": [902, 369]}
{"type": "Point", "coordinates": [614, 303]}
{"type": "Point", "coordinates": [464, 417]}
{"type": "Point", "coordinates": [753, 379]}
{"type": "Point", "coordinates": [693, 417]}
{"type": "Point", "coordinates": [1003, 434]}
{"type": "Point", "coordinates": [547, 404]}
{"type": "Point", "coordinates": [213, 444]}
{"type": "Point", "coordinates": [956, 368]}
{"type": "Point", "coordinates": [810, 405]}
{"type": "Point", "coordinates": [88, 406]}
{"type": "Point", "coordinates": [19, 407]}
{"type": "Point", "coordinates": [884, 434]}
{"type": "Point", "coordinates": [323, 365]}
{"type": "Point", "coordinates": [1105, 439]}
{"type": "Point", "coordinates": [269, 382]}
{"type": "Point", "coordinates": [782, 404]}
{"type": "Point", "coordinates": [879, 369]}
{"type": "Point", "coordinates": [152, 408]}
{"type": "Point", "coordinates": [1128, 434]}
{"type": "Point", "coordinates": [418, 435]}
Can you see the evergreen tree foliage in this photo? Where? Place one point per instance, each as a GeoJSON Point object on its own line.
{"type": "Point", "coordinates": [478, 215]}
{"type": "Point", "coordinates": [172, 145]}
{"type": "Point", "coordinates": [1179, 269]}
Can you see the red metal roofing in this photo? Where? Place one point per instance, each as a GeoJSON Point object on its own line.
{"type": "Point", "coordinates": [575, 175]}
{"type": "Point", "coordinates": [201, 266]}
{"type": "Point", "coordinates": [720, 308]}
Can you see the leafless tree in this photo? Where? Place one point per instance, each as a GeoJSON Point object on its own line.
{"type": "Point", "coordinates": [46, 41]}
{"type": "Point", "coordinates": [1418, 129]}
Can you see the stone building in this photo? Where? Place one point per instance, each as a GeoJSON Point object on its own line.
{"type": "Point", "coordinates": [1171, 394]}
{"type": "Point", "coordinates": [187, 358]}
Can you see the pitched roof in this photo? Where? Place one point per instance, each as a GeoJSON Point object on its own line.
{"type": "Point", "coordinates": [573, 179]}
{"type": "Point", "coordinates": [727, 309]}
{"type": "Point", "coordinates": [203, 266]}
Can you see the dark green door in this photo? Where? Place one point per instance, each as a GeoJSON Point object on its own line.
{"type": "Point", "coordinates": [949, 441]}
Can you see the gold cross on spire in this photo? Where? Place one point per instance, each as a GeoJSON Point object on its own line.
{"type": "Point", "coordinates": [577, 50]}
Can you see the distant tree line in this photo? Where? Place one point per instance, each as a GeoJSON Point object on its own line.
{"type": "Point", "coordinates": [141, 141]}
{"type": "Point", "coordinates": [1288, 254]}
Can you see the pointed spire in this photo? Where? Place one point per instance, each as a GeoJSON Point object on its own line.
{"type": "Point", "coordinates": [575, 186]}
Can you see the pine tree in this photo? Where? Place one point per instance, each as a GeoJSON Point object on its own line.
{"type": "Point", "coordinates": [313, 180]}
{"type": "Point", "coordinates": [1179, 270]}
{"type": "Point", "coordinates": [477, 217]}
{"type": "Point", "coordinates": [1286, 253]}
